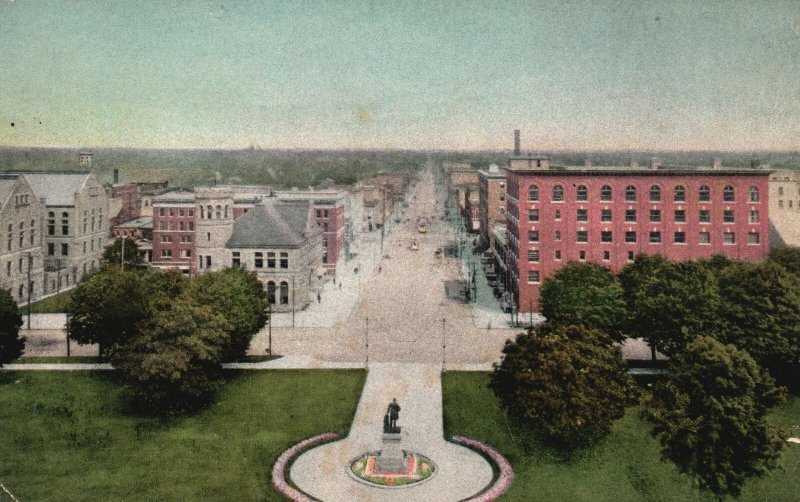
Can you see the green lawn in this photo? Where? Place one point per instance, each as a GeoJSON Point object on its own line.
{"type": "Point", "coordinates": [625, 466]}
{"type": "Point", "coordinates": [55, 304]}
{"type": "Point", "coordinates": [65, 436]}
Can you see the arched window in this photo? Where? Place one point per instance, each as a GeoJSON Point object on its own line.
{"type": "Point", "coordinates": [271, 292]}
{"type": "Point", "coordinates": [209, 210]}
{"type": "Point", "coordinates": [218, 214]}
{"type": "Point", "coordinates": [655, 193]}
{"type": "Point", "coordinates": [630, 193]}
{"type": "Point", "coordinates": [727, 194]}
{"type": "Point", "coordinates": [753, 194]}
{"type": "Point", "coordinates": [51, 223]}
{"type": "Point", "coordinates": [284, 292]}
{"type": "Point", "coordinates": [680, 194]}
{"type": "Point", "coordinates": [533, 193]}
{"type": "Point", "coordinates": [704, 194]}
{"type": "Point", "coordinates": [558, 193]}
{"type": "Point", "coordinates": [226, 210]}
{"type": "Point", "coordinates": [605, 193]}
{"type": "Point", "coordinates": [582, 194]}
{"type": "Point", "coordinates": [65, 223]}
{"type": "Point", "coordinates": [202, 213]}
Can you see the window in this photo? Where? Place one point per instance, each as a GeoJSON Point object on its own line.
{"type": "Point", "coordinates": [558, 193]}
{"type": "Point", "coordinates": [655, 215]}
{"type": "Point", "coordinates": [271, 292]}
{"type": "Point", "coordinates": [753, 194]}
{"type": "Point", "coordinates": [605, 236]}
{"type": "Point", "coordinates": [728, 238]}
{"type": "Point", "coordinates": [679, 238]}
{"type": "Point", "coordinates": [284, 293]}
{"type": "Point", "coordinates": [191, 211]}
{"type": "Point", "coordinates": [218, 212]}
{"type": "Point", "coordinates": [186, 253]}
{"type": "Point", "coordinates": [606, 255]}
{"type": "Point", "coordinates": [181, 226]}
{"type": "Point", "coordinates": [680, 216]}
{"type": "Point", "coordinates": [557, 215]}
{"type": "Point", "coordinates": [191, 225]}
{"type": "Point", "coordinates": [727, 194]}
{"type": "Point", "coordinates": [51, 249]}
{"type": "Point", "coordinates": [655, 193]}
{"type": "Point", "coordinates": [630, 256]}
{"type": "Point", "coordinates": [581, 194]}
{"type": "Point", "coordinates": [753, 238]}
{"type": "Point", "coordinates": [533, 236]}
{"type": "Point", "coordinates": [161, 211]}
{"type": "Point", "coordinates": [237, 259]}
{"type": "Point", "coordinates": [582, 236]}
{"type": "Point", "coordinates": [8, 268]}
{"type": "Point", "coordinates": [208, 236]}
{"type": "Point", "coordinates": [704, 194]}
{"type": "Point", "coordinates": [209, 211]}
{"type": "Point", "coordinates": [166, 238]}
{"type": "Point", "coordinates": [753, 216]}
{"type": "Point", "coordinates": [582, 215]}
{"type": "Point", "coordinates": [324, 243]}
{"type": "Point", "coordinates": [65, 223]}
{"type": "Point", "coordinates": [704, 216]}
{"type": "Point", "coordinates": [727, 216]}
{"type": "Point", "coordinates": [655, 237]}
{"type": "Point", "coordinates": [84, 247]}
{"type": "Point", "coordinates": [208, 261]}
{"type": "Point", "coordinates": [284, 260]}
{"type": "Point", "coordinates": [780, 190]}
{"type": "Point", "coordinates": [319, 213]}
{"type": "Point", "coordinates": [533, 255]}
{"type": "Point", "coordinates": [630, 215]}
{"type": "Point", "coordinates": [605, 215]}
{"type": "Point", "coordinates": [259, 260]}
{"type": "Point", "coordinates": [533, 276]}
{"type": "Point", "coordinates": [270, 259]}
{"type": "Point", "coordinates": [557, 235]}
{"type": "Point", "coordinates": [186, 238]}
{"type": "Point", "coordinates": [605, 193]}
{"type": "Point", "coordinates": [630, 237]}
{"type": "Point", "coordinates": [582, 255]}
{"type": "Point", "coordinates": [51, 223]}
{"type": "Point", "coordinates": [533, 215]}
{"type": "Point", "coordinates": [166, 253]}
{"type": "Point", "coordinates": [557, 255]}
{"type": "Point", "coordinates": [630, 193]}
{"type": "Point", "coordinates": [680, 194]}
{"type": "Point", "coordinates": [533, 193]}
{"type": "Point", "coordinates": [704, 238]}
{"type": "Point", "coordinates": [21, 234]}
{"type": "Point", "coordinates": [10, 236]}
{"type": "Point", "coordinates": [64, 249]}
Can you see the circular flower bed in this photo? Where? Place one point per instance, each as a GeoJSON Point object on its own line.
{"type": "Point", "coordinates": [506, 472]}
{"type": "Point", "coordinates": [279, 469]}
{"type": "Point", "coordinates": [419, 469]}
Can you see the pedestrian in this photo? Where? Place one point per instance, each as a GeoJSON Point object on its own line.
{"type": "Point", "coordinates": [340, 285]}
{"type": "Point", "coordinates": [319, 297]}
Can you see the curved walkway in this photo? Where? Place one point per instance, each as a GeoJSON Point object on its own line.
{"type": "Point", "coordinates": [322, 472]}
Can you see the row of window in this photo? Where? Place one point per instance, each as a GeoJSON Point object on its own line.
{"type": "Point", "coordinates": [655, 193]}
{"type": "Point", "coordinates": [582, 236]}
{"type": "Point", "coordinates": [171, 225]}
{"type": "Point", "coordinates": [171, 211]}
{"type": "Point", "coordinates": [96, 222]}
{"type": "Point", "coordinates": [21, 234]}
{"type": "Point", "coordinates": [168, 239]}
{"type": "Point", "coordinates": [166, 253]}
{"type": "Point", "coordinates": [790, 204]}
{"type": "Point", "coordinates": [31, 261]}
{"type": "Point", "coordinates": [284, 291]}
{"type": "Point", "coordinates": [322, 213]}
{"type": "Point", "coordinates": [258, 259]}
{"type": "Point", "coordinates": [51, 247]}
{"type": "Point", "coordinates": [679, 215]}
{"type": "Point", "coordinates": [206, 212]}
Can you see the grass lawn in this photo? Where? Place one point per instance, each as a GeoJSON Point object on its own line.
{"type": "Point", "coordinates": [59, 360]}
{"type": "Point", "coordinates": [55, 304]}
{"type": "Point", "coordinates": [625, 466]}
{"type": "Point", "coordinates": [65, 436]}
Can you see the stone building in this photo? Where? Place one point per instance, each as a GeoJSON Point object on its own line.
{"type": "Point", "coordinates": [784, 208]}
{"type": "Point", "coordinates": [492, 203]}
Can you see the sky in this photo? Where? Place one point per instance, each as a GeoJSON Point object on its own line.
{"type": "Point", "coordinates": [435, 74]}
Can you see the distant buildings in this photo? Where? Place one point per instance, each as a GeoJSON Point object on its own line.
{"type": "Point", "coordinates": [784, 208]}
{"type": "Point", "coordinates": [492, 203]}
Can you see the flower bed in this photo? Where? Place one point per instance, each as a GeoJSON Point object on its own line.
{"type": "Point", "coordinates": [506, 472]}
{"type": "Point", "coordinates": [279, 469]}
{"type": "Point", "coordinates": [420, 468]}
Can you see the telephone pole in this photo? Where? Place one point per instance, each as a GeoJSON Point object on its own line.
{"type": "Point", "coordinates": [444, 344]}
{"type": "Point", "coordinates": [30, 290]}
{"type": "Point", "coordinates": [366, 343]}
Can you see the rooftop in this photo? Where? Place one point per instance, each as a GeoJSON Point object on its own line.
{"type": "Point", "coordinates": [143, 222]}
{"type": "Point", "coordinates": [58, 188]}
{"type": "Point", "coordinates": [274, 224]}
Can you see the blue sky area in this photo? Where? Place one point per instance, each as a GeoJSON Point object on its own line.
{"type": "Point", "coordinates": [430, 74]}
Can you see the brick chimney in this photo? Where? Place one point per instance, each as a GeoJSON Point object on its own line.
{"type": "Point", "coordinates": [516, 142]}
{"type": "Point", "coordinates": [116, 176]}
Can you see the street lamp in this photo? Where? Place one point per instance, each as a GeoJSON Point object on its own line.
{"type": "Point", "coordinates": [444, 344]}
{"type": "Point", "coordinates": [30, 290]}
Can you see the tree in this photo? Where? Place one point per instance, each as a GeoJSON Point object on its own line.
{"type": "Point", "coordinates": [585, 294]}
{"type": "Point", "coordinates": [107, 307]}
{"type": "Point", "coordinates": [239, 297]}
{"type": "Point", "coordinates": [568, 382]}
{"type": "Point", "coordinates": [761, 313]}
{"type": "Point", "coordinates": [173, 362]}
{"type": "Point", "coordinates": [113, 254]}
{"type": "Point", "coordinates": [710, 415]}
{"type": "Point", "coordinates": [787, 257]}
{"type": "Point", "coordinates": [11, 344]}
{"type": "Point", "coordinates": [669, 303]}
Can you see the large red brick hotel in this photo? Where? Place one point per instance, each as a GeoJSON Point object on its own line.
{"type": "Point", "coordinates": [607, 215]}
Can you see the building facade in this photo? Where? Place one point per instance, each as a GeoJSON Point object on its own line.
{"type": "Point", "coordinates": [607, 215]}
{"type": "Point", "coordinates": [784, 208]}
{"type": "Point", "coordinates": [492, 203]}
{"type": "Point", "coordinates": [174, 235]}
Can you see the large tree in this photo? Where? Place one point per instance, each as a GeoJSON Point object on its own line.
{"type": "Point", "coordinates": [788, 257]}
{"type": "Point", "coordinates": [11, 344]}
{"type": "Point", "coordinates": [761, 314]}
{"type": "Point", "coordinates": [567, 382]}
{"type": "Point", "coordinates": [710, 415]}
{"type": "Point", "coordinates": [585, 294]}
{"type": "Point", "coordinates": [239, 297]}
{"type": "Point", "coordinates": [173, 362]}
{"type": "Point", "coordinates": [113, 257]}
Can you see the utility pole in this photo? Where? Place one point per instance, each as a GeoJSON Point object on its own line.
{"type": "Point", "coordinates": [383, 215]}
{"type": "Point", "coordinates": [293, 301]}
{"type": "Point", "coordinates": [30, 290]}
{"type": "Point", "coordinates": [122, 256]}
{"type": "Point", "coordinates": [366, 343]}
{"type": "Point", "coordinates": [269, 326]}
{"type": "Point", "coordinates": [444, 344]}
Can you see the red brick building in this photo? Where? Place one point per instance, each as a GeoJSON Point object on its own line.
{"type": "Point", "coordinates": [492, 203]}
{"type": "Point", "coordinates": [607, 215]}
{"type": "Point", "coordinates": [174, 230]}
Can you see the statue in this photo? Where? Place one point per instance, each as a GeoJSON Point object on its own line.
{"type": "Point", "coordinates": [394, 414]}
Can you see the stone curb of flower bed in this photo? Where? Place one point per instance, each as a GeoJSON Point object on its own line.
{"type": "Point", "coordinates": [504, 479]}
{"type": "Point", "coordinates": [279, 469]}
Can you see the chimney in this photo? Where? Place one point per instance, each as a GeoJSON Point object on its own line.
{"type": "Point", "coordinates": [516, 142]}
{"type": "Point", "coordinates": [587, 163]}
{"type": "Point", "coordinates": [634, 164]}
{"type": "Point", "coordinates": [716, 163]}
{"type": "Point", "coordinates": [116, 176]}
{"type": "Point", "coordinates": [655, 163]}
{"type": "Point", "coordinates": [755, 162]}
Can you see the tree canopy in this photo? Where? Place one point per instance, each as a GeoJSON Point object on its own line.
{"type": "Point", "coordinates": [710, 415]}
{"type": "Point", "coordinates": [11, 344]}
{"type": "Point", "coordinates": [112, 256]}
{"type": "Point", "coordinates": [585, 294]}
{"type": "Point", "coordinates": [787, 257]}
{"type": "Point", "coordinates": [567, 382]}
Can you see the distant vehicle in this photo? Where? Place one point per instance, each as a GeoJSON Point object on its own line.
{"type": "Point", "coordinates": [414, 246]}
{"type": "Point", "coordinates": [423, 229]}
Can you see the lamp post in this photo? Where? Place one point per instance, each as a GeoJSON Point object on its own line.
{"type": "Point", "coordinates": [366, 343]}
{"type": "Point", "coordinates": [30, 290]}
{"type": "Point", "coordinates": [269, 326]}
{"type": "Point", "coordinates": [444, 344]}
{"type": "Point", "coordinates": [293, 301]}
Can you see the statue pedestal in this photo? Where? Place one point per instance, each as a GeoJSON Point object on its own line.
{"type": "Point", "coordinates": [391, 458]}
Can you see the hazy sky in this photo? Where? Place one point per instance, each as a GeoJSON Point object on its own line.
{"type": "Point", "coordinates": [404, 74]}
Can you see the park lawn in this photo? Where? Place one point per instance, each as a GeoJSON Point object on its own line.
{"type": "Point", "coordinates": [56, 304]}
{"type": "Point", "coordinates": [65, 436]}
{"type": "Point", "coordinates": [626, 466]}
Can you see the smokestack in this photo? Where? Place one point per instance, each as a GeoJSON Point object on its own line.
{"type": "Point", "coordinates": [116, 176]}
{"type": "Point", "coordinates": [516, 142]}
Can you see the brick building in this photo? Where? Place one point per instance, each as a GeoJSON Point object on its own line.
{"type": "Point", "coordinates": [134, 199]}
{"type": "Point", "coordinates": [607, 215]}
{"type": "Point", "coordinates": [174, 235]}
{"type": "Point", "coordinates": [492, 203]}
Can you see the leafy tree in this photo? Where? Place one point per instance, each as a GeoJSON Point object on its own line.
{"type": "Point", "coordinates": [107, 307]}
{"type": "Point", "coordinates": [761, 312]}
{"type": "Point", "coordinates": [113, 254]}
{"type": "Point", "coordinates": [173, 362]}
{"type": "Point", "coordinates": [568, 382]}
{"type": "Point", "coordinates": [11, 344]}
{"type": "Point", "coordinates": [239, 297]}
{"type": "Point", "coordinates": [585, 294]}
{"type": "Point", "coordinates": [669, 302]}
{"type": "Point", "coordinates": [710, 415]}
{"type": "Point", "coordinates": [788, 257]}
